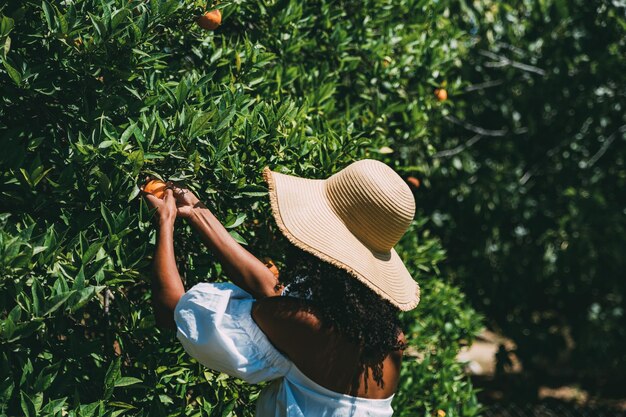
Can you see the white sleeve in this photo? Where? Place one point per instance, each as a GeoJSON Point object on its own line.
{"type": "Point", "coordinates": [215, 326]}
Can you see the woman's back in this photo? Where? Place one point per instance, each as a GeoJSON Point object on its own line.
{"type": "Point", "coordinates": [321, 353]}
{"type": "Point", "coordinates": [216, 325]}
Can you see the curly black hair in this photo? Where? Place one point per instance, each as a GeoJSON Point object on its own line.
{"type": "Point", "coordinates": [346, 305]}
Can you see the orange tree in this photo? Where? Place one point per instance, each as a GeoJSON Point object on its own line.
{"type": "Point", "coordinates": [98, 93]}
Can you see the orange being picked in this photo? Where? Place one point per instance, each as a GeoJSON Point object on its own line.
{"type": "Point", "coordinates": [155, 187]}
{"type": "Point", "coordinates": [210, 20]}
{"type": "Point", "coordinates": [271, 266]}
{"type": "Point", "coordinates": [441, 94]}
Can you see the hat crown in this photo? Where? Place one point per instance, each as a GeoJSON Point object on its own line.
{"type": "Point", "coordinates": [373, 201]}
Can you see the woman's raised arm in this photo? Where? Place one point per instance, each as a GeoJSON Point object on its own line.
{"type": "Point", "coordinates": [167, 287]}
{"type": "Point", "coordinates": [242, 267]}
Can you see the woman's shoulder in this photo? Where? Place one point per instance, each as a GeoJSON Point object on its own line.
{"type": "Point", "coordinates": [292, 315]}
{"type": "Point", "coordinates": [280, 317]}
{"type": "Point", "coordinates": [293, 326]}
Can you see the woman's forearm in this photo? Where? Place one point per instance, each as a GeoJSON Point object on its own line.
{"type": "Point", "coordinates": [167, 287]}
{"type": "Point", "coordinates": [243, 268]}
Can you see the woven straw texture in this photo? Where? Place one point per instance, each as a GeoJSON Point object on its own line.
{"type": "Point", "coordinates": [351, 220]}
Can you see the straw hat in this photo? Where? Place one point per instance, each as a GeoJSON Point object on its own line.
{"type": "Point", "coordinates": [352, 220]}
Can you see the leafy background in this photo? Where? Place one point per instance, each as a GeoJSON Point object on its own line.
{"type": "Point", "coordinates": [521, 171]}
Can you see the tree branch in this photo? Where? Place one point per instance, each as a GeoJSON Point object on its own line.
{"type": "Point", "coordinates": [458, 149]}
{"type": "Point", "coordinates": [502, 61]}
{"type": "Point", "coordinates": [589, 163]}
{"type": "Point", "coordinates": [482, 86]}
{"type": "Point", "coordinates": [476, 129]}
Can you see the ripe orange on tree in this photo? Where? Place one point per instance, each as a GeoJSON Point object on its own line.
{"type": "Point", "coordinates": [210, 20]}
{"type": "Point", "coordinates": [413, 182]}
{"type": "Point", "coordinates": [441, 94]}
{"type": "Point", "coordinates": [155, 187]}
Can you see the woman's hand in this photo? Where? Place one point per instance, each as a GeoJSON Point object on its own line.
{"type": "Point", "coordinates": [186, 201]}
{"type": "Point", "coordinates": [166, 207]}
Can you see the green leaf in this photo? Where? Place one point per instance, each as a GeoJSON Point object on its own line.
{"type": "Point", "coordinates": [7, 328]}
{"type": "Point", "coordinates": [49, 14]}
{"type": "Point", "coordinates": [127, 380]}
{"type": "Point", "coordinates": [39, 176]}
{"type": "Point", "coordinates": [26, 329]}
{"type": "Point", "coordinates": [98, 25]}
{"type": "Point", "coordinates": [6, 26]}
{"type": "Point", "coordinates": [7, 47]}
{"type": "Point", "coordinates": [105, 144]}
{"type": "Point", "coordinates": [46, 377]}
{"type": "Point", "coordinates": [62, 22]}
{"type": "Point", "coordinates": [128, 133]}
{"type": "Point", "coordinates": [113, 374]}
{"type": "Point", "coordinates": [238, 238]}
{"type": "Point", "coordinates": [27, 405]}
{"type": "Point", "coordinates": [118, 17]}
{"type": "Point", "coordinates": [6, 389]}
{"type": "Point", "coordinates": [26, 177]}
{"type": "Point", "coordinates": [199, 122]}
{"type": "Point", "coordinates": [108, 219]}
{"type": "Point", "coordinates": [55, 407]}
{"type": "Point", "coordinates": [133, 194]}
{"type": "Point", "coordinates": [91, 252]}
{"type": "Point", "coordinates": [226, 120]}
{"type": "Point", "coordinates": [13, 73]}
{"type": "Point", "coordinates": [84, 295]}
{"type": "Point", "coordinates": [236, 221]}
{"type": "Point", "coordinates": [228, 409]}
{"type": "Point", "coordinates": [57, 301]}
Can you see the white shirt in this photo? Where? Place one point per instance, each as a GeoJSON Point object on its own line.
{"type": "Point", "coordinates": [215, 326]}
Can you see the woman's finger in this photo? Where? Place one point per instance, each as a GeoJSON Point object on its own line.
{"type": "Point", "coordinates": [154, 201]}
{"type": "Point", "coordinates": [169, 194]}
{"type": "Point", "coordinates": [178, 191]}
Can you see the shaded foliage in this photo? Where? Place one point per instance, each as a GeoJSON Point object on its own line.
{"type": "Point", "coordinates": [526, 182]}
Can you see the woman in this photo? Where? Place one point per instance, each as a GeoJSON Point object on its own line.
{"type": "Point", "coordinates": [328, 334]}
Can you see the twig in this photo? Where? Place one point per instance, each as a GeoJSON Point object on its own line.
{"type": "Point", "coordinates": [502, 61]}
{"type": "Point", "coordinates": [476, 129]}
{"type": "Point", "coordinates": [511, 48]}
{"type": "Point", "coordinates": [603, 148]}
{"type": "Point", "coordinates": [527, 175]}
{"type": "Point", "coordinates": [535, 168]}
{"type": "Point", "coordinates": [108, 296]}
{"type": "Point", "coordinates": [458, 149]}
{"type": "Point", "coordinates": [482, 86]}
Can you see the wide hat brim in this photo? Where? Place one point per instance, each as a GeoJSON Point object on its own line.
{"type": "Point", "coordinates": [305, 216]}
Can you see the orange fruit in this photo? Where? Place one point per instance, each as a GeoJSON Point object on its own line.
{"type": "Point", "coordinates": [441, 94]}
{"type": "Point", "coordinates": [271, 266]}
{"type": "Point", "coordinates": [413, 182]}
{"type": "Point", "coordinates": [155, 187]}
{"type": "Point", "coordinates": [116, 348]}
{"type": "Point", "coordinates": [210, 20]}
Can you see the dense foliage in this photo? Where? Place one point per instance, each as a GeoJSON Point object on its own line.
{"type": "Point", "coordinates": [98, 93]}
{"type": "Point", "coordinates": [527, 184]}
